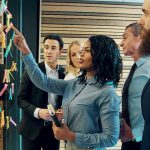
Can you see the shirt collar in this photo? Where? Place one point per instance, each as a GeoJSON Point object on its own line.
{"type": "Point", "coordinates": [92, 81]}
{"type": "Point", "coordinates": [142, 60]}
{"type": "Point", "coordinates": [49, 69]}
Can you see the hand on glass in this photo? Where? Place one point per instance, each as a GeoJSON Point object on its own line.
{"type": "Point", "coordinates": [20, 42]}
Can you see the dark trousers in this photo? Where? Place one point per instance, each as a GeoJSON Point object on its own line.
{"type": "Point", "coordinates": [45, 140]}
{"type": "Point", "coordinates": [131, 145]}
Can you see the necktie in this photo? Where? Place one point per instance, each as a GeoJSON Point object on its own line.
{"type": "Point", "coordinates": [125, 110]}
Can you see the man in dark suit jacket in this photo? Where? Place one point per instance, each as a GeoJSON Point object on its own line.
{"type": "Point", "coordinates": [145, 99]}
{"type": "Point", "coordinates": [35, 127]}
{"type": "Point", "coordinates": [146, 114]}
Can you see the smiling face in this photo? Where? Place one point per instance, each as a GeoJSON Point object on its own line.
{"type": "Point", "coordinates": [86, 57]}
{"type": "Point", "coordinates": [145, 18]}
{"type": "Point", "coordinates": [51, 52]}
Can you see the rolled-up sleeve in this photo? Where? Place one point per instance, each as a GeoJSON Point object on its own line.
{"type": "Point", "coordinates": [109, 120]}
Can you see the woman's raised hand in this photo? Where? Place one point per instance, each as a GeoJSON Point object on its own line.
{"type": "Point", "coordinates": [20, 42]}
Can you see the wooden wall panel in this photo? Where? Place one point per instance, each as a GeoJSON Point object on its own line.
{"type": "Point", "coordinates": [79, 20]}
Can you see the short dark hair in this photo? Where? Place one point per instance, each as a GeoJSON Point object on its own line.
{"type": "Point", "coordinates": [55, 36]}
{"type": "Point", "coordinates": [136, 28]}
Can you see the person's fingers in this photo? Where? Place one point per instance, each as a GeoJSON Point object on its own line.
{"type": "Point", "coordinates": [19, 34]}
{"type": "Point", "coordinates": [16, 31]}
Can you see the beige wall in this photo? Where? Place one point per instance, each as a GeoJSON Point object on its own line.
{"type": "Point", "coordinates": [78, 21]}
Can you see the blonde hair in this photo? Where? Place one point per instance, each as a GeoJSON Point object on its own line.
{"type": "Point", "coordinates": [70, 67]}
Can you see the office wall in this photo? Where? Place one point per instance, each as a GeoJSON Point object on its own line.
{"type": "Point", "coordinates": [76, 20]}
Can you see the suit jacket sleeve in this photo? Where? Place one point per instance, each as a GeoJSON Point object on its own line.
{"type": "Point", "coordinates": [24, 95]}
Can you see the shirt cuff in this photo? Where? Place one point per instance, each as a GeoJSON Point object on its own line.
{"type": "Point", "coordinates": [36, 113]}
{"type": "Point", "coordinates": [28, 57]}
{"type": "Point", "coordinates": [78, 139]}
{"type": "Point", "coordinates": [23, 55]}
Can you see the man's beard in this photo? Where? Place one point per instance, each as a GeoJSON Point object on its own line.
{"type": "Point", "coordinates": [144, 48]}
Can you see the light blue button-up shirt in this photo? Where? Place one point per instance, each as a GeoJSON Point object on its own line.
{"type": "Point", "coordinates": [139, 79]}
{"type": "Point", "coordinates": [90, 111]}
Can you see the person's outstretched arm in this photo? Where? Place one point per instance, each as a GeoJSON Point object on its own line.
{"type": "Point", "coordinates": [51, 85]}
{"type": "Point", "coordinates": [20, 42]}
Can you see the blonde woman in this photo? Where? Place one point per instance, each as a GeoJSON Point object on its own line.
{"type": "Point", "coordinates": [72, 67]}
{"type": "Point", "coordinates": [73, 56]}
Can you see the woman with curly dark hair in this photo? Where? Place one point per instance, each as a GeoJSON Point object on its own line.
{"type": "Point", "coordinates": [106, 59]}
{"type": "Point", "coordinates": [90, 103]}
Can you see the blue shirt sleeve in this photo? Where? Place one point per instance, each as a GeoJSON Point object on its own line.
{"type": "Point", "coordinates": [43, 82]}
{"type": "Point", "coordinates": [109, 114]}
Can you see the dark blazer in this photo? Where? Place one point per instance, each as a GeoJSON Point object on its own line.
{"type": "Point", "coordinates": [29, 98]}
{"type": "Point", "coordinates": [145, 103]}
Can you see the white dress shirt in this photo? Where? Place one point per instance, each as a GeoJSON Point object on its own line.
{"type": "Point", "coordinates": [51, 97]}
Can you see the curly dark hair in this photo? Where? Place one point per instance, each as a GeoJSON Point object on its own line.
{"type": "Point", "coordinates": [107, 62]}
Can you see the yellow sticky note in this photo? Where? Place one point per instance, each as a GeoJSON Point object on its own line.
{"type": "Point", "coordinates": [7, 122]}
{"type": "Point", "coordinates": [2, 119]}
